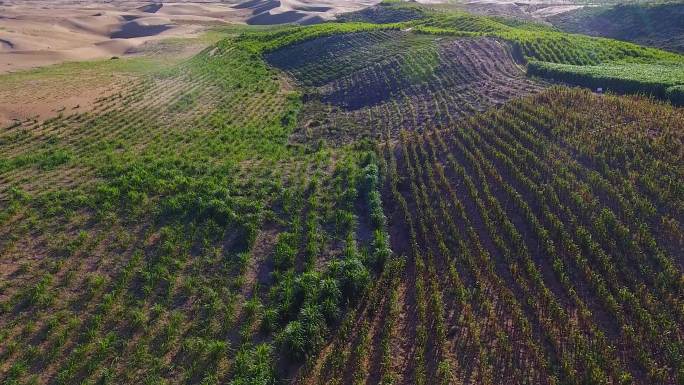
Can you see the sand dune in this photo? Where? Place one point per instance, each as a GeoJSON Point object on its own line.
{"type": "Point", "coordinates": [99, 24]}
{"type": "Point", "coordinates": [299, 11]}
{"type": "Point", "coordinates": [6, 44]}
{"type": "Point", "coordinates": [143, 27]}
{"type": "Point", "coordinates": [40, 32]}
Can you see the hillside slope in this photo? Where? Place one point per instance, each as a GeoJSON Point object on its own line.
{"type": "Point", "coordinates": [531, 253]}
{"type": "Point", "coordinates": [377, 83]}
{"type": "Point", "coordinates": [573, 58]}
{"type": "Point", "coordinates": [348, 203]}
{"type": "Point", "coordinates": [526, 253]}
{"type": "Point", "coordinates": [658, 25]}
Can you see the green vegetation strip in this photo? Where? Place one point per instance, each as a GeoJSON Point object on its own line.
{"type": "Point", "coordinates": [661, 80]}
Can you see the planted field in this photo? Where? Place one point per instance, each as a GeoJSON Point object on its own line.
{"type": "Point", "coordinates": [365, 84]}
{"type": "Point", "coordinates": [350, 203]}
{"type": "Point", "coordinates": [537, 248]}
{"type": "Point", "coordinates": [168, 236]}
{"type": "Point", "coordinates": [547, 49]}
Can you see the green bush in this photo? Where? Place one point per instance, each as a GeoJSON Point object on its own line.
{"type": "Point", "coordinates": [329, 298]}
{"type": "Point", "coordinates": [304, 336]}
{"type": "Point", "coordinates": [676, 95]}
{"type": "Point", "coordinates": [254, 366]}
{"type": "Point", "coordinates": [652, 79]}
{"type": "Point", "coordinates": [352, 275]}
{"type": "Point", "coordinates": [285, 251]}
{"type": "Point", "coordinates": [287, 295]}
{"type": "Point", "coordinates": [381, 249]}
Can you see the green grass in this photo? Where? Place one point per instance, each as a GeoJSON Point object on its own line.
{"type": "Point", "coordinates": [656, 79]}
{"type": "Point", "coordinates": [271, 41]}
{"type": "Point", "coordinates": [676, 94]}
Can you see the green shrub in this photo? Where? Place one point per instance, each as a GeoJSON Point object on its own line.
{"type": "Point", "coordinates": [352, 275]}
{"type": "Point", "coordinates": [659, 80]}
{"type": "Point", "coordinates": [285, 251]}
{"type": "Point", "coordinates": [381, 249]}
{"type": "Point", "coordinates": [304, 336]}
{"type": "Point", "coordinates": [254, 366]}
{"type": "Point", "coordinates": [54, 158]}
{"type": "Point", "coordinates": [269, 320]}
{"type": "Point", "coordinates": [329, 298]}
{"type": "Point", "coordinates": [287, 295]}
{"type": "Point", "coordinates": [676, 95]}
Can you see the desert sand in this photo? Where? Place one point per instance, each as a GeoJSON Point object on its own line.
{"type": "Point", "coordinates": [35, 33]}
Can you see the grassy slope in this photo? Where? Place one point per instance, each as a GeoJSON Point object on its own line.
{"type": "Point", "coordinates": [657, 25]}
{"type": "Point", "coordinates": [152, 218]}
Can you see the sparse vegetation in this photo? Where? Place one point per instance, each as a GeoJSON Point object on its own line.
{"type": "Point", "coordinates": [656, 24]}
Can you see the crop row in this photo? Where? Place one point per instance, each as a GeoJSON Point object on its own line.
{"type": "Point", "coordinates": [153, 261]}
{"type": "Point", "coordinates": [524, 233]}
{"type": "Point", "coordinates": [431, 84]}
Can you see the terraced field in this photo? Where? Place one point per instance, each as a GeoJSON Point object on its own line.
{"type": "Point", "coordinates": [529, 242]}
{"type": "Point", "coordinates": [370, 83]}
